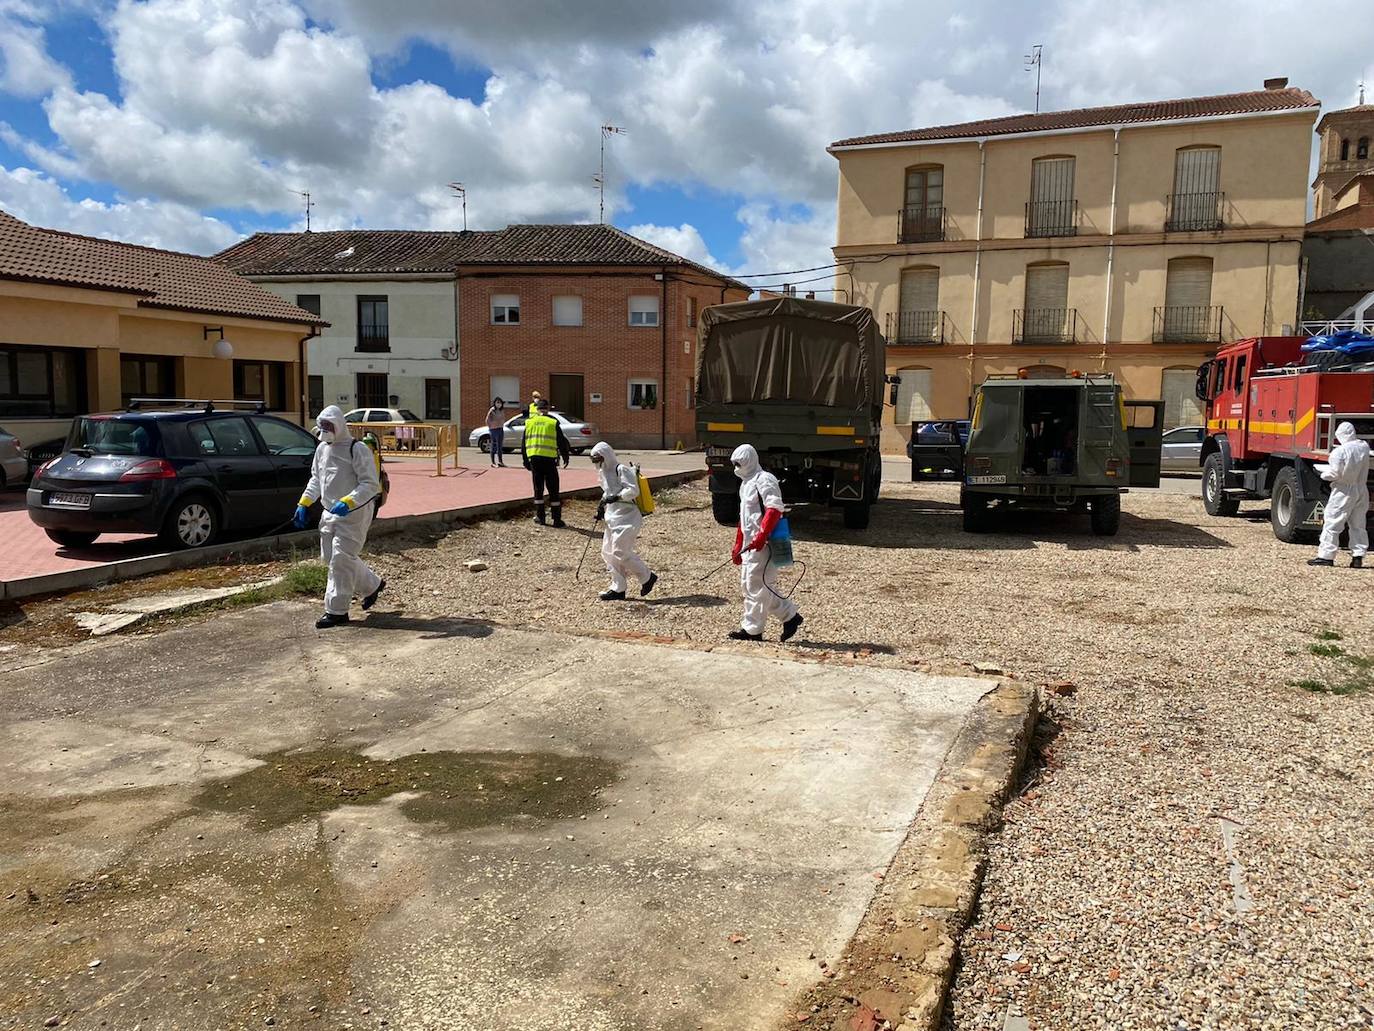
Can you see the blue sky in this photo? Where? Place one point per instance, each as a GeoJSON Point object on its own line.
{"type": "Point", "coordinates": [188, 123]}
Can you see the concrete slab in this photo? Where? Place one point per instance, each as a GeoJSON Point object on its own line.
{"type": "Point", "coordinates": [133, 611]}
{"type": "Point", "coordinates": [746, 809]}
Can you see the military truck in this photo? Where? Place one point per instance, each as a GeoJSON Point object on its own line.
{"type": "Point", "coordinates": [1069, 444]}
{"type": "Point", "coordinates": [802, 381]}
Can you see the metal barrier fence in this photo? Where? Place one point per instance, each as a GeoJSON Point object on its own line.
{"type": "Point", "coordinates": [437, 440]}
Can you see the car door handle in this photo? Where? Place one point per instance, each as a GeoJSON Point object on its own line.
{"type": "Point", "coordinates": [226, 468]}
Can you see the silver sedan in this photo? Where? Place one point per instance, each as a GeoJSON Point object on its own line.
{"type": "Point", "coordinates": [1181, 449]}
{"type": "Point", "coordinates": [14, 466]}
{"type": "Point", "coordinates": [581, 435]}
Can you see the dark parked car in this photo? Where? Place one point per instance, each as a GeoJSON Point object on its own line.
{"type": "Point", "coordinates": [936, 449]}
{"type": "Point", "coordinates": [186, 475]}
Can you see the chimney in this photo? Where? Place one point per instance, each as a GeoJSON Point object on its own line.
{"type": "Point", "coordinates": [1280, 83]}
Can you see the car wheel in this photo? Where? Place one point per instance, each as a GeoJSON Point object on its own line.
{"type": "Point", "coordinates": [484, 445]}
{"type": "Point", "coordinates": [71, 538]}
{"type": "Point", "coordinates": [1214, 497]}
{"type": "Point", "coordinates": [1105, 513]}
{"type": "Point", "coordinates": [856, 514]}
{"type": "Point", "coordinates": [192, 522]}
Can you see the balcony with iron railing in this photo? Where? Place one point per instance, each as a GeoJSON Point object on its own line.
{"type": "Point", "coordinates": [921, 224]}
{"type": "Point", "coordinates": [917, 327]}
{"type": "Point", "coordinates": [1051, 218]}
{"type": "Point", "coordinates": [1194, 212]}
{"type": "Point", "coordinates": [1044, 326]}
{"type": "Point", "coordinates": [1188, 324]}
{"type": "Point", "coordinates": [374, 337]}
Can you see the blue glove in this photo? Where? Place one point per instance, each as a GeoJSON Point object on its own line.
{"type": "Point", "coordinates": [340, 508]}
{"type": "Point", "coordinates": [298, 520]}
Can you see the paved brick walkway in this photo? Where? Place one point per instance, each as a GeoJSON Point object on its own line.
{"type": "Point", "coordinates": [415, 490]}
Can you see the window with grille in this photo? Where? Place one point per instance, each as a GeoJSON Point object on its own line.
{"type": "Point", "coordinates": [374, 324]}
{"type": "Point", "coordinates": [1052, 210]}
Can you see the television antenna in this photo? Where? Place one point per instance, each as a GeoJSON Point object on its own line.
{"type": "Point", "coordinates": [600, 177]}
{"type": "Point", "coordinates": [308, 205]}
{"type": "Point", "coordinates": [1032, 60]}
{"type": "Point", "coordinates": [459, 190]}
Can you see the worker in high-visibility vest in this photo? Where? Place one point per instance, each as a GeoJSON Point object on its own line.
{"type": "Point", "coordinates": [541, 447]}
{"type": "Point", "coordinates": [535, 398]}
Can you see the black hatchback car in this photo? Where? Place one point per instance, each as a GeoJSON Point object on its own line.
{"type": "Point", "coordinates": [187, 475]}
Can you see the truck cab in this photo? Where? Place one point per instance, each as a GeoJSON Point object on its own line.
{"type": "Point", "coordinates": [1070, 444]}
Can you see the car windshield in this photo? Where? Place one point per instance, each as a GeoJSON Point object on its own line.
{"type": "Point", "coordinates": [115, 436]}
{"type": "Point", "coordinates": [408, 416]}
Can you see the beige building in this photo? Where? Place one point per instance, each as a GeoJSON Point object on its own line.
{"type": "Point", "coordinates": [87, 324]}
{"type": "Point", "coordinates": [1130, 239]}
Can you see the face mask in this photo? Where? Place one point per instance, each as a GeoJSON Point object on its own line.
{"type": "Point", "coordinates": [327, 428]}
{"type": "Point", "coordinates": [739, 470]}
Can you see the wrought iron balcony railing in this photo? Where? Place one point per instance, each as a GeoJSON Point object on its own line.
{"type": "Point", "coordinates": [1052, 218]}
{"type": "Point", "coordinates": [1188, 324]}
{"type": "Point", "coordinates": [374, 337]}
{"type": "Point", "coordinates": [917, 327]}
{"type": "Point", "coordinates": [920, 224]}
{"type": "Point", "coordinates": [1194, 212]}
{"type": "Point", "coordinates": [1044, 326]}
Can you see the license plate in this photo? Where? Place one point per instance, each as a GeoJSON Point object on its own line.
{"type": "Point", "coordinates": [987, 479]}
{"type": "Point", "coordinates": [70, 500]}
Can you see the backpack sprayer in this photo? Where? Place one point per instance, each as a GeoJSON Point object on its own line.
{"type": "Point", "coordinates": [779, 545]}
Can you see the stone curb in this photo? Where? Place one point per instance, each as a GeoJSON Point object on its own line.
{"type": "Point", "coordinates": [900, 964]}
{"type": "Point", "coordinates": [129, 569]}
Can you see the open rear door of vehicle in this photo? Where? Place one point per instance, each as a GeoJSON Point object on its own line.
{"type": "Point", "coordinates": [1145, 435]}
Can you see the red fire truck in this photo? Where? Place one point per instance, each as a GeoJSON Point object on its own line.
{"type": "Point", "coordinates": [1270, 420]}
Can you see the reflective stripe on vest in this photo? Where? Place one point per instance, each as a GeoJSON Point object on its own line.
{"type": "Point", "coordinates": [541, 437]}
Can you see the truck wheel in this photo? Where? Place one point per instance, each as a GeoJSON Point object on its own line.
{"type": "Point", "coordinates": [856, 515]}
{"type": "Point", "coordinates": [976, 516]}
{"type": "Point", "coordinates": [1214, 496]}
{"type": "Point", "coordinates": [1286, 512]}
{"type": "Point", "coordinates": [1105, 513]}
{"type": "Point", "coordinates": [725, 508]}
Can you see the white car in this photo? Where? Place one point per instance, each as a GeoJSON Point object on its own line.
{"type": "Point", "coordinates": [582, 436]}
{"type": "Point", "coordinates": [14, 464]}
{"type": "Point", "coordinates": [1181, 449]}
{"type": "Point", "coordinates": [364, 415]}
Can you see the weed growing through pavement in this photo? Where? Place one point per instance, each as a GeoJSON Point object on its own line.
{"type": "Point", "coordinates": [1350, 674]}
{"type": "Point", "coordinates": [301, 578]}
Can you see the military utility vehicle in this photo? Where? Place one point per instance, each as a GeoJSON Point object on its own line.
{"type": "Point", "coordinates": [802, 381]}
{"type": "Point", "coordinates": [1069, 444]}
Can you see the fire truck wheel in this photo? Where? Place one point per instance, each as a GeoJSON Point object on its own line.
{"type": "Point", "coordinates": [1105, 513]}
{"type": "Point", "coordinates": [1286, 512]}
{"type": "Point", "coordinates": [1214, 497]}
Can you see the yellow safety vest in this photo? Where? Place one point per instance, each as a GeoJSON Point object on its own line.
{"type": "Point", "coordinates": [541, 437]}
{"type": "Point", "coordinates": [533, 409]}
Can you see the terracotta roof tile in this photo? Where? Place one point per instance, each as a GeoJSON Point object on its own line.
{"type": "Point", "coordinates": [402, 251]}
{"type": "Point", "coordinates": [1253, 102]}
{"type": "Point", "coordinates": [161, 279]}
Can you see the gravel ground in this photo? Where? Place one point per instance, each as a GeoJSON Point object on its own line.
{"type": "Point", "coordinates": [1111, 899]}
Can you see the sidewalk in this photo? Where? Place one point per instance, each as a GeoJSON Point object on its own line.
{"type": "Point", "coordinates": [31, 564]}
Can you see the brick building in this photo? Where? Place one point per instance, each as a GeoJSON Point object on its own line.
{"type": "Point", "coordinates": [599, 321]}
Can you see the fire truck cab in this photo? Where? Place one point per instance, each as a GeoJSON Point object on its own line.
{"type": "Point", "coordinates": [1272, 414]}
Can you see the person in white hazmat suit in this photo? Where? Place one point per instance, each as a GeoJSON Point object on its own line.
{"type": "Point", "coordinates": [343, 478]}
{"type": "Point", "coordinates": [760, 509]}
{"type": "Point", "coordinates": [1347, 470]}
{"type": "Point", "coordinates": [619, 491]}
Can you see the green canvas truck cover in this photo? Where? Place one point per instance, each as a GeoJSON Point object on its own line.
{"type": "Point", "coordinates": [789, 349]}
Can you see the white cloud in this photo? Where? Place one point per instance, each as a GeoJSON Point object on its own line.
{"type": "Point", "coordinates": [33, 197]}
{"type": "Point", "coordinates": [685, 240]}
{"type": "Point", "coordinates": [238, 103]}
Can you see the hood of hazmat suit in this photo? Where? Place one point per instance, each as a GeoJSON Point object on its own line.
{"type": "Point", "coordinates": [759, 489]}
{"type": "Point", "coordinates": [333, 415]}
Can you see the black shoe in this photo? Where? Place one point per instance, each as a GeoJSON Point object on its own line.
{"type": "Point", "coordinates": [1320, 562]}
{"type": "Point", "coordinates": [329, 619]}
{"type": "Point", "coordinates": [371, 599]}
{"type": "Point", "coordinates": [648, 585]}
{"type": "Point", "coordinates": [612, 595]}
{"type": "Point", "coordinates": [558, 516]}
{"type": "Point", "coordinates": [790, 628]}
{"type": "Point", "coordinates": [743, 635]}
{"type": "Point", "coordinates": [1357, 562]}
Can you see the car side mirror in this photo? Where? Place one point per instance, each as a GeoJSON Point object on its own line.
{"type": "Point", "coordinates": [892, 395]}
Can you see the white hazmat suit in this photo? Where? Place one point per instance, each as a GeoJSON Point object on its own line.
{"type": "Point", "coordinates": [1348, 505]}
{"type": "Point", "coordinates": [623, 521]}
{"type": "Point", "coordinates": [758, 490]}
{"type": "Point", "coordinates": [343, 470]}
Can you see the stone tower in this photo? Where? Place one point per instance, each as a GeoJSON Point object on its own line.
{"type": "Point", "coordinates": [1347, 149]}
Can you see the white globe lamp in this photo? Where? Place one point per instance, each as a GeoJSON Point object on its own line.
{"type": "Point", "coordinates": [222, 349]}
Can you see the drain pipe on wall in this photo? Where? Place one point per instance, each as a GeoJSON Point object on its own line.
{"type": "Point", "coordinates": [977, 265]}
{"type": "Point", "coordinates": [1111, 243]}
{"type": "Point", "coordinates": [663, 363]}
{"type": "Point", "coordinates": [304, 379]}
